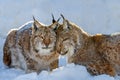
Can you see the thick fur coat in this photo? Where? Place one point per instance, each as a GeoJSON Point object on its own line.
{"type": "Point", "coordinates": [99, 53]}
{"type": "Point", "coordinates": [31, 47]}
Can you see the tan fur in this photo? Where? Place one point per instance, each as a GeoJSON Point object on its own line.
{"type": "Point", "coordinates": [32, 48]}
{"type": "Point", "coordinates": [99, 53]}
{"type": "Point", "coordinates": [6, 50]}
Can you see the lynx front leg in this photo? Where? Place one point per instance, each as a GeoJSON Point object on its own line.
{"type": "Point", "coordinates": [32, 66]}
{"type": "Point", "coordinates": [54, 65]}
{"type": "Point", "coordinates": [7, 57]}
{"type": "Point", "coordinates": [96, 69]}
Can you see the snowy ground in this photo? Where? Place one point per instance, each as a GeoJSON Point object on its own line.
{"type": "Point", "coordinates": [94, 16]}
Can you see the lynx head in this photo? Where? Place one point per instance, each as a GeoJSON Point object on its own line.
{"type": "Point", "coordinates": [43, 37]}
{"type": "Point", "coordinates": [67, 38]}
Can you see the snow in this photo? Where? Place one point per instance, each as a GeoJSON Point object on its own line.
{"type": "Point", "coordinates": [27, 77]}
{"type": "Point", "coordinates": [94, 16]}
{"type": "Point", "coordinates": [69, 72]}
{"type": "Point", "coordinates": [25, 26]}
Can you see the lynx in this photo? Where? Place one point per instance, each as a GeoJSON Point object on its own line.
{"type": "Point", "coordinates": [31, 47]}
{"type": "Point", "coordinates": [99, 53]}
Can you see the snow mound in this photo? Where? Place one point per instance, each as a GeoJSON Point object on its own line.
{"type": "Point", "coordinates": [31, 76]}
{"type": "Point", "coordinates": [68, 72]}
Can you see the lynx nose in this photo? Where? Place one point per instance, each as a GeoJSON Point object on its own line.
{"type": "Point", "coordinates": [46, 42]}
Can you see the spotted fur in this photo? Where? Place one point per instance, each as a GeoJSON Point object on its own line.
{"type": "Point", "coordinates": [99, 53]}
{"type": "Point", "coordinates": [31, 47]}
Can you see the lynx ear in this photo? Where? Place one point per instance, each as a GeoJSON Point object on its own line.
{"type": "Point", "coordinates": [55, 24]}
{"type": "Point", "coordinates": [53, 19]}
{"type": "Point", "coordinates": [36, 24]}
{"type": "Point", "coordinates": [65, 23]}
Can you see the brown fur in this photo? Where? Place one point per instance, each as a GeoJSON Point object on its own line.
{"type": "Point", "coordinates": [10, 39]}
{"type": "Point", "coordinates": [31, 49]}
{"type": "Point", "coordinates": [99, 53]}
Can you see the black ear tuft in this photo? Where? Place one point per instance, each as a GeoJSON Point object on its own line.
{"type": "Point", "coordinates": [35, 27]}
{"type": "Point", "coordinates": [33, 18]}
{"type": "Point", "coordinates": [62, 16]}
{"type": "Point", "coordinates": [53, 19]}
{"type": "Point", "coordinates": [58, 19]}
{"type": "Point", "coordinates": [34, 24]}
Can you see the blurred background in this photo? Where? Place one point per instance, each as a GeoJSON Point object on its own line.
{"type": "Point", "coordinates": [94, 16]}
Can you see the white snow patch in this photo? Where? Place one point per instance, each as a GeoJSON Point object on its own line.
{"type": "Point", "coordinates": [69, 72]}
{"type": "Point", "coordinates": [30, 76]}
{"type": "Point", "coordinates": [25, 26]}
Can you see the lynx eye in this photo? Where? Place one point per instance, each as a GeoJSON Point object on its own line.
{"type": "Point", "coordinates": [41, 37]}
{"type": "Point", "coordinates": [38, 38]}
{"type": "Point", "coordinates": [65, 39]}
{"type": "Point", "coordinates": [52, 37]}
